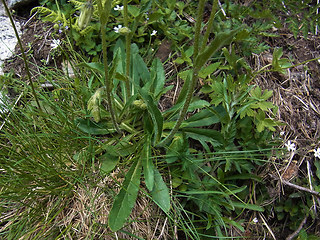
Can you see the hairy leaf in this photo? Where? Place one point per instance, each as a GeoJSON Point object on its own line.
{"type": "Point", "coordinates": [147, 163]}
{"type": "Point", "coordinates": [160, 193]}
{"type": "Point", "coordinates": [125, 200]}
{"type": "Point", "coordinates": [219, 41]}
{"type": "Point", "coordinates": [109, 162]}
{"type": "Point", "coordinates": [155, 114]}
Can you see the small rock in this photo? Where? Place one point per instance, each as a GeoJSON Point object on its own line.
{"type": "Point", "coordinates": [8, 39]}
{"type": "Point", "coordinates": [15, 4]}
{"type": "Point", "coordinates": [2, 10]}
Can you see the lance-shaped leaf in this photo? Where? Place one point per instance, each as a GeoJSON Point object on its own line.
{"type": "Point", "coordinates": [219, 41]}
{"type": "Point", "coordinates": [155, 114]}
{"type": "Point", "coordinates": [148, 167]}
{"type": "Point", "coordinates": [125, 200]}
{"type": "Point", "coordinates": [160, 193]}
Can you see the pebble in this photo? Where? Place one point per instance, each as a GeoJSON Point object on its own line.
{"type": "Point", "coordinates": [8, 38]}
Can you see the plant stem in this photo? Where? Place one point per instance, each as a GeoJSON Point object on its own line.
{"type": "Point", "coordinates": [104, 16]}
{"type": "Point", "coordinates": [128, 47]}
{"type": "Point", "coordinates": [198, 28]}
{"type": "Point", "coordinates": [194, 80]}
{"type": "Point", "coordinates": [210, 23]}
{"type": "Point", "coordinates": [23, 54]}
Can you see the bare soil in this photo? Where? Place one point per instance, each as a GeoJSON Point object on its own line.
{"type": "Point", "coordinates": [37, 37]}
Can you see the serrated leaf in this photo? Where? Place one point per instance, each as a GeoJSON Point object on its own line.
{"type": "Point", "coordinates": [246, 112]}
{"type": "Point", "coordinates": [125, 200]}
{"type": "Point", "coordinates": [267, 94]}
{"type": "Point", "coordinates": [256, 93]}
{"type": "Point", "coordinates": [185, 74]}
{"type": "Point", "coordinates": [262, 105]}
{"type": "Point", "coordinates": [160, 193]}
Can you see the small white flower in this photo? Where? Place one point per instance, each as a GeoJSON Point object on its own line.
{"type": "Point", "coordinates": [154, 32]}
{"type": "Point", "coordinates": [290, 146]}
{"type": "Point", "coordinates": [118, 8]}
{"type": "Point", "coordinates": [255, 220]}
{"type": "Point", "coordinates": [55, 43]}
{"type": "Point", "coordinates": [282, 133]}
{"type": "Point", "coordinates": [117, 29]}
{"type": "Point", "coordinates": [317, 153]}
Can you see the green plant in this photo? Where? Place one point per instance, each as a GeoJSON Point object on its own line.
{"type": "Point", "coordinates": [111, 118]}
{"type": "Point", "coordinates": [135, 90]}
{"type": "Point", "coordinates": [301, 17]}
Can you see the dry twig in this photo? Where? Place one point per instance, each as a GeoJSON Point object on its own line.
{"type": "Point", "coordinates": [317, 194]}
{"type": "Point", "coordinates": [295, 233]}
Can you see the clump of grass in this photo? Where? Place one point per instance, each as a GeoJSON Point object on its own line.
{"type": "Point", "coordinates": [50, 185]}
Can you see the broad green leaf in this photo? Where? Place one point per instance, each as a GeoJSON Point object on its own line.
{"type": "Point", "coordinates": [90, 127]}
{"type": "Point", "coordinates": [147, 163]}
{"type": "Point", "coordinates": [171, 4]}
{"type": "Point", "coordinates": [176, 182]}
{"type": "Point", "coordinates": [317, 164]}
{"type": "Point", "coordinates": [175, 148]}
{"type": "Point", "coordinates": [184, 90]}
{"type": "Point", "coordinates": [234, 223]}
{"type": "Point", "coordinates": [126, 199]}
{"type": "Point", "coordinates": [108, 162]}
{"type": "Point", "coordinates": [228, 165]}
{"type": "Point", "coordinates": [139, 71]}
{"type": "Point", "coordinates": [206, 71]}
{"type": "Point", "coordinates": [219, 41]}
{"type": "Point", "coordinates": [133, 10]}
{"type": "Point", "coordinates": [96, 66]}
{"type": "Point", "coordinates": [155, 114]}
{"type": "Point", "coordinates": [145, 5]}
{"type": "Point", "coordinates": [153, 17]}
{"type": "Point", "coordinates": [158, 77]}
{"type": "Point", "coordinates": [160, 193]}
{"type": "Point", "coordinates": [207, 135]}
{"type": "Point", "coordinates": [185, 74]}
{"type": "Point", "coordinates": [201, 119]}
{"type": "Point", "coordinates": [198, 104]}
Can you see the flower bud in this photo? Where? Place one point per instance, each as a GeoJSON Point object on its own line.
{"type": "Point", "coordinates": [94, 104]}
{"type": "Point", "coordinates": [85, 15]}
{"type": "Point", "coordinates": [140, 104]}
{"type": "Point", "coordinates": [124, 30]}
